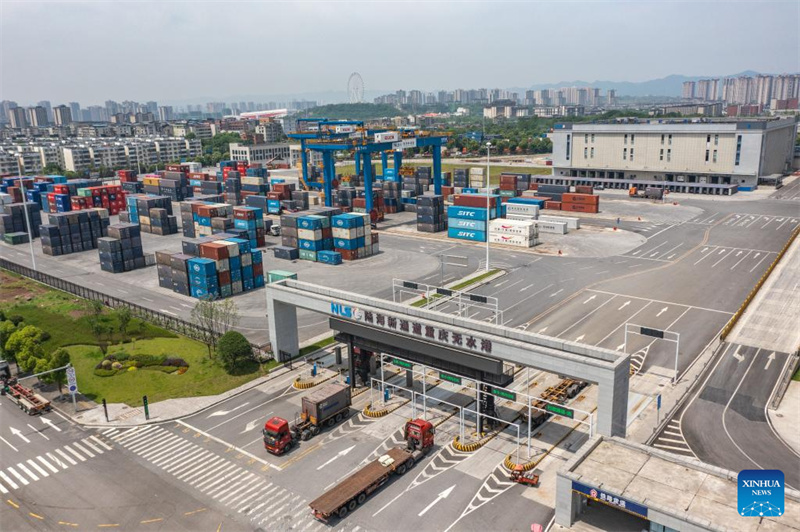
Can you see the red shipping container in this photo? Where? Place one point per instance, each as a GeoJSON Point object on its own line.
{"type": "Point", "coordinates": [348, 254]}
{"type": "Point", "coordinates": [327, 233]}
{"type": "Point", "coordinates": [579, 207]}
{"type": "Point", "coordinates": [258, 269]}
{"type": "Point", "coordinates": [447, 191]}
{"type": "Point", "coordinates": [552, 205]}
{"type": "Point", "coordinates": [533, 186]}
{"type": "Point", "coordinates": [224, 277]}
{"type": "Point", "coordinates": [374, 237]}
{"type": "Point", "coordinates": [580, 198]}
{"type": "Point", "coordinates": [212, 250]}
{"type": "Point", "coordinates": [473, 200]}
{"type": "Point", "coordinates": [584, 189]}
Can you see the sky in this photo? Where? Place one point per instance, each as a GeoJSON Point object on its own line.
{"type": "Point", "coordinates": [196, 51]}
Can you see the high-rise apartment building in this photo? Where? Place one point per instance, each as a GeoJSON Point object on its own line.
{"type": "Point", "coordinates": [17, 117]}
{"type": "Point", "coordinates": [62, 115]}
{"type": "Point", "coordinates": [37, 116]}
{"type": "Point", "coordinates": [688, 90]}
{"type": "Point", "coordinates": [75, 109]}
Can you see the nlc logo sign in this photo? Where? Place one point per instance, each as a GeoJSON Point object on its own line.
{"type": "Point", "coordinates": [345, 311]}
{"type": "Point", "coordinates": [761, 493]}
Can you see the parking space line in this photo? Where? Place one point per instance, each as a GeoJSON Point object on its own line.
{"type": "Point", "coordinates": [769, 221]}
{"type": "Point", "coordinates": [723, 258]}
{"type": "Point", "coordinates": [706, 255]}
{"type": "Point", "coordinates": [670, 250]}
{"type": "Point", "coordinates": [740, 260]}
{"type": "Point", "coordinates": [759, 262]}
{"type": "Point", "coordinates": [787, 219]}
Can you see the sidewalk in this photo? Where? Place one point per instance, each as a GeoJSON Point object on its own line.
{"type": "Point", "coordinates": [784, 419]}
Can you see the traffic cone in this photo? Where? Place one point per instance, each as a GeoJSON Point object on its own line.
{"type": "Point", "coordinates": [639, 218]}
{"type": "Point", "coordinates": [559, 252]}
{"type": "Point", "coordinates": [615, 228]}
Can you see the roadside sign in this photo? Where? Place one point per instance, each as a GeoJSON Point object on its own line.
{"type": "Point", "coordinates": [72, 382]}
{"type": "Point", "coordinates": [560, 410]}
{"type": "Point", "coordinates": [655, 333]}
{"type": "Point", "coordinates": [450, 378]}
{"type": "Point", "coordinates": [403, 144]}
{"type": "Point", "coordinates": [658, 401]}
{"type": "Point", "coordinates": [401, 363]}
{"type": "Point", "coordinates": [505, 394]}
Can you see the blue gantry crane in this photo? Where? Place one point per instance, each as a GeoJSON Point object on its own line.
{"type": "Point", "coordinates": [330, 136]}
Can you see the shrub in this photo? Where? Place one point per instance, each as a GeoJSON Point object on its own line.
{"type": "Point", "coordinates": [16, 319]}
{"type": "Point", "coordinates": [183, 370]}
{"type": "Point", "coordinates": [177, 362]}
{"type": "Point", "coordinates": [117, 365]}
{"type": "Point", "coordinates": [148, 360]}
{"type": "Point", "coordinates": [132, 368]}
{"type": "Point", "coordinates": [105, 372]}
{"type": "Point", "coordinates": [234, 350]}
{"type": "Point", "coordinates": [121, 356]}
{"type": "Point", "coordinates": [45, 336]}
{"type": "Point", "coordinates": [106, 364]}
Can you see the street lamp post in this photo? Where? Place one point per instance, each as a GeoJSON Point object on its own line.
{"type": "Point", "coordinates": [27, 215]}
{"type": "Point", "coordinates": [488, 180]}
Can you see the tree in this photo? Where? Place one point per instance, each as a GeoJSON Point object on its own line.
{"type": "Point", "coordinates": [7, 328]}
{"type": "Point", "coordinates": [58, 358]}
{"type": "Point", "coordinates": [190, 136]}
{"type": "Point", "coordinates": [234, 351]}
{"type": "Point", "coordinates": [214, 318]}
{"type": "Point", "coordinates": [124, 318]}
{"type": "Point", "coordinates": [25, 346]}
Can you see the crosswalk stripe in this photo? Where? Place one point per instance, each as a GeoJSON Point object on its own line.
{"type": "Point", "coordinates": [238, 488]}
{"type": "Point", "coordinates": [199, 473]}
{"type": "Point", "coordinates": [148, 443]}
{"type": "Point", "coordinates": [91, 446]}
{"type": "Point", "coordinates": [38, 468]}
{"type": "Point", "coordinates": [210, 483]}
{"type": "Point", "coordinates": [85, 451]}
{"type": "Point", "coordinates": [169, 443]}
{"type": "Point", "coordinates": [248, 493]}
{"type": "Point", "coordinates": [47, 464]}
{"type": "Point", "coordinates": [202, 471]}
{"type": "Point", "coordinates": [27, 471]}
{"type": "Point", "coordinates": [171, 457]}
{"type": "Point", "coordinates": [236, 483]}
{"type": "Point", "coordinates": [56, 460]}
{"type": "Point", "coordinates": [254, 510]}
{"type": "Point", "coordinates": [168, 449]}
{"type": "Point", "coordinates": [20, 477]}
{"type": "Point", "coordinates": [141, 436]}
{"type": "Point", "coordinates": [135, 432]}
{"type": "Point", "coordinates": [216, 475]}
{"type": "Point", "coordinates": [3, 489]}
{"type": "Point", "coordinates": [101, 442]}
{"type": "Point", "coordinates": [8, 480]}
{"type": "Point", "coordinates": [74, 453]}
{"type": "Point", "coordinates": [109, 432]}
{"type": "Point", "coordinates": [181, 461]}
{"type": "Point", "coordinates": [66, 457]}
{"type": "Point", "coordinates": [255, 496]}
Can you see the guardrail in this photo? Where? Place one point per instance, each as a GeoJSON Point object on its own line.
{"type": "Point", "coordinates": [735, 318]}
{"type": "Point", "coordinates": [172, 323]}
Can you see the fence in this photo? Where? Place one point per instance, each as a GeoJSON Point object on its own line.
{"type": "Point", "coordinates": [735, 318]}
{"type": "Point", "coordinates": [172, 323]}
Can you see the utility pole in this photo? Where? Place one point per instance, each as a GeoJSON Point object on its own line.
{"type": "Point", "coordinates": [488, 181]}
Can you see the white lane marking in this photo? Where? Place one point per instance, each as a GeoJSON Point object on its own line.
{"type": "Point", "coordinates": [556, 293]}
{"type": "Point", "coordinates": [662, 311]}
{"type": "Point", "coordinates": [148, 299]}
{"type": "Point", "coordinates": [19, 477]}
{"type": "Point", "coordinates": [740, 260]}
{"type": "Point", "coordinates": [6, 442]}
{"type": "Point", "coordinates": [526, 288]}
{"type": "Point", "coordinates": [47, 464]}
{"type": "Point", "coordinates": [658, 301]}
{"type": "Point", "coordinates": [168, 312]}
{"type": "Point", "coordinates": [759, 262]}
{"type": "Point", "coordinates": [3, 489]}
{"type": "Point", "coordinates": [8, 480]}
{"type": "Point", "coordinates": [723, 258]}
{"type": "Point", "coordinates": [27, 471]}
{"type": "Point", "coordinates": [74, 453]}
{"type": "Point", "coordinates": [66, 457]}
{"type": "Point", "coordinates": [38, 468]}
{"type": "Point", "coordinates": [624, 305]}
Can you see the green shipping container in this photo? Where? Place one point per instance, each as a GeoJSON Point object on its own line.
{"type": "Point", "coordinates": [84, 192]}
{"type": "Point", "coordinates": [279, 275]}
{"type": "Point", "coordinates": [307, 254]}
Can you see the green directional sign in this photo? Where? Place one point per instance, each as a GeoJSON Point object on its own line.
{"type": "Point", "coordinates": [402, 363]}
{"type": "Point", "coordinates": [450, 378]}
{"type": "Point", "coordinates": [505, 394]}
{"type": "Point", "coordinates": [560, 410]}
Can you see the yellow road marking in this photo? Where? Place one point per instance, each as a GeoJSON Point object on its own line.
{"type": "Point", "coordinates": [196, 511]}
{"type": "Point", "coordinates": [219, 527]}
{"type": "Point", "coordinates": [37, 516]}
{"type": "Point", "coordinates": [67, 524]}
{"type": "Point", "coordinates": [109, 525]}
{"type": "Point", "coordinates": [12, 503]}
{"type": "Point", "coordinates": [157, 519]}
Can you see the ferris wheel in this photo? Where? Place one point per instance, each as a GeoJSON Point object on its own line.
{"type": "Point", "coordinates": [355, 88]}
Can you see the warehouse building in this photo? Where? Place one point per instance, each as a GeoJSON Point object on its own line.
{"type": "Point", "coordinates": [708, 157]}
{"type": "Point", "coordinates": [261, 153]}
{"type": "Point", "coordinates": [636, 487]}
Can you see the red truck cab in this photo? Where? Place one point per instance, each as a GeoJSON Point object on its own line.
{"type": "Point", "coordinates": [277, 436]}
{"type": "Point", "coordinates": [419, 433]}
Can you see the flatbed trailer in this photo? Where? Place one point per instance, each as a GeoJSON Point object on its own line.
{"type": "Point", "coordinates": [353, 491]}
{"type": "Point", "coordinates": [26, 399]}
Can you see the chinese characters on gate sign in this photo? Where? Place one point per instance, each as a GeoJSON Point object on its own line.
{"type": "Point", "coordinates": [426, 332]}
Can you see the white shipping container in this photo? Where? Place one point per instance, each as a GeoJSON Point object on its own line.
{"type": "Point", "coordinates": [512, 240]}
{"type": "Point", "coordinates": [559, 228]}
{"type": "Point", "coordinates": [513, 216]}
{"type": "Point", "coordinates": [387, 136]}
{"type": "Point", "coordinates": [512, 227]}
{"type": "Point", "coordinates": [476, 170]}
{"type": "Point", "coordinates": [346, 233]}
{"type": "Point", "coordinates": [520, 208]}
{"type": "Point", "coordinates": [344, 129]}
{"type": "Point", "coordinates": [252, 180]}
{"type": "Point", "coordinates": [309, 234]}
{"type": "Point", "coordinates": [572, 223]}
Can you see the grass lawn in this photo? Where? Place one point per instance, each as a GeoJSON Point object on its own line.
{"type": "Point", "coordinates": [796, 376]}
{"type": "Point", "coordinates": [63, 315]}
{"type": "Point", "coordinates": [204, 377]}
{"type": "Point", "coordinates": [496, 169]}
{"type": "Point", "coordinates": [318, 345]}
{"type": "Point", "coordinates": [460, 286]}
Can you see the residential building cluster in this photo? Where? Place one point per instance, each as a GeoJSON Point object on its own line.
{"type": "Point", "coordinates": [767, 91]}
{"type": "Point", "coordinates": [562, 96]}
{"type": "Point", "coordinates": [80, 155]}
{"type": "Point", "coordinates": [129, 112]}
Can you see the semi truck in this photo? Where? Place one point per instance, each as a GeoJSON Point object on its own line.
{"type": "Point", "coordinates": [26, 399]}
{"type": "Point", "coordinates": [353, 491]}
{"type": "Point", "coordinates": [324, 407]}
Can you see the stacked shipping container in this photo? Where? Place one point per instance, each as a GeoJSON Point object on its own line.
{"type": "Point", "coordinates": [72, 232]}
{"type": "Point", "coordinates": [121, 251]}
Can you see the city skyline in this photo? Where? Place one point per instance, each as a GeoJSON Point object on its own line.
{"type": "Point", "coordinates": [507, 56]}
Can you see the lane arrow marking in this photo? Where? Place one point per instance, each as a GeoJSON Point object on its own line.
{"type": "Point", "coordinates": [17, 432]}
{"type": "Point", "coordinates": [736, 354]}
{"type": "Point", "coordinates": [662, 311]}
{"type": "Point", "coordinates": [225, 412]}
{"type": "Point", "coordinates": [442, 495]}
{"type": "Point", "coordinates": [770, 358]}
{"type": "Point", "coordinates": [624, 305]}
{"type": "Point", "coordinates": [52, 425]}
{"type": "Point", "coordinates": [579, 338]}
{"type": "Point", "coordinates": [594, 296]}
{"type": "Point", "coordinates": [341, 453]}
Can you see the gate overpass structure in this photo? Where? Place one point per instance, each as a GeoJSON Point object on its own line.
{"type": "Point", "coordinates": [458, 345]}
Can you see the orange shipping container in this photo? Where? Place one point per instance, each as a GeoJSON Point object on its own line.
{"type": "Point", "coordinates": [580, 198]}
{"type": "Point", "coordinates": [552, 205]}
{"type": "Point", "coordinates": [579, 207]}
{"type": "Point", "coordinates": [584, 189]}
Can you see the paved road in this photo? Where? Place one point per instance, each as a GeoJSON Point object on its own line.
{"type": "Point", "coordinates": [57, 475]}
{"type": "Point", "coordinates": [725, 422]}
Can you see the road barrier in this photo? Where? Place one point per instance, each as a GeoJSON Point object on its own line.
{"type": "Point", "coordinates": [735, 318]}
{"type": "Point", "coordinates": [172, 323]}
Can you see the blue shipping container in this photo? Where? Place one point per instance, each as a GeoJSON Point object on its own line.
{"type": "Point", "coordinates": [347, 220]}
{"type": "Point", "coordinates": [470, 213]}
{"type": "Point", "coordinates": [199, 265]}
{"type": "Point", "coordinates": [311, 245]}
{"type": "Point", "coordinates": [465, 223]}
{"type": "Point", "coordinates": [466, 234]}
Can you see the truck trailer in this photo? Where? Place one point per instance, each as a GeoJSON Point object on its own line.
{"type": "Point", "coordinates": [353, 491]}
{"type": "Point", "coordinates": [324, 407]}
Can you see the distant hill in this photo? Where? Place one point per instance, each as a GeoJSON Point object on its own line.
{"type": "Point", "coordinates": [354, 111]}
{"type": "Point", "coordinates": [667, 86]}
